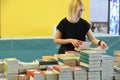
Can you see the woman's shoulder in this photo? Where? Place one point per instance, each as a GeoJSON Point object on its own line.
{"type": "Point", "coordinates": [83, 20]}
{"type": "Point", "coordinates": [63, 19]}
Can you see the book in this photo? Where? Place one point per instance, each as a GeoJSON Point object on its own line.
{"type": "Point", "coordinates": [49, 57]}
{"type": "Point", "coordinates": [12, 77]}
{"type": "Point", "coordinates": [27, 65]}
{"type": "Point", "coordinates": [23, 77]}
{"type": "Point", "coordinates": [91, 53]}
{"type": "Point", "coordinates": [64, 55]}
{"type": "Point", "coordinates": [107, 67]}
{"type": "Point", "coordinates": [62, 68]}
{"type": "Point", "coordinates": [90, 62]}
{"type": "Point", "coordinates": [94, 50]}
{"type": "Point", "coordinates": [47, 62]}
{"type": "Point", "coordinates": [37, 75]}
{"type": "Point", "coordinates": [83, 57]}
{"type": "Point", "coordinates": [71, 61]}
{"type": "Point", "coordinates": [94, 74]}
{"type": "Point", "coordinates": [50, 74]}
{"type": "Point", "coordinates": [11, 65]}
{"type": "Point", "coordinates": [83, 45]}
{"type": "Point", "coordinates": [2, 63]}
{"type": "Point", "coordinates": [28, 71]}
{"type": "Point", "coordinates": [79, 70]}
{"type": "Point", "coordinates": [90, 67]}
{"type": "Point", "coordinates": [76, 53]}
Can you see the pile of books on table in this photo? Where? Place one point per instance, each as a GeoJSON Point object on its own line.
{"type": "Point", "coordinates": [91, 61]}
{"type": "Point", "coordinates": [1, 66]}
{"type": "Point", "coordinates": [44, 63]}
{"type": "Point", "coordinates": [79, 73]}
{"type": "Point", "coordinates": [35, 74]}
{"type": "Point", "coordinates": [107, 67]}
{"type": "Point", "coordinates": [117, 60]}
{"type": "Point", "coordinates": [65, 72]}
{"type": "Point", "coordinates": [11, 68]}
{"type": "Point", "coordinates": [27, 65]}
{"type": "Point", "coordinates": [51, 75]}
{"type": "Point", "coordinates": [71, 61]}
{"type": "Point", "coordinates": [23, 77]}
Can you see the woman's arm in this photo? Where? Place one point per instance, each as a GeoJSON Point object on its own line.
{"type": "Point", "coordinates": [94, 40]}
{"type": "Point", "coordinates": [59, 40]}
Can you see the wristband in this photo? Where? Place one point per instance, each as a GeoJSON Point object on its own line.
{"type": "Point", "coordinates": [99, 42]}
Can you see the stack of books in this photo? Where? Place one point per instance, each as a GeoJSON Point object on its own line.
{"type": "Point", "coordinates": [35, 74]}
{"type": "Point", "coordinates": [94, 75]}
{"type": "Point", "coordinates": [23, 77]}
{"type": "Point", "coordinates": [27, 65]}
{"type": "Point", "coordinates": [12, 77]}
{"type": "Point", "coordinates": [50, 75]}
{"type": "Point", "coordinates": [44, 63]}
{"type": "Point", "coordinates": [11, 68]}
{"type": "Point", "coordinates": [107, 67]}
{"type": "Point", "coordinates": [76, 56]}
{"type": "Point", "coordinates": [79, 73]}
{"type": "Point", "coordinates": [76, 53]}
{"type": "Point", "coordinates": [64, 55]}
{"type": "Point", "coordinates": [11, 65]}
{"type": "Point", "coordinates": [28, 71]}
{"type": "Point", "coordinates": [116, 75]}
{"type": "Point", "coordinates": [117, 60]}
{"type": "Point", "coordinates": [2, 75]}
{"type": "Point", "coordinates": [2, 66]}
{"type": "Point", "coordinates": [59, 56]}
{"type": "Point", "coordinates": [49, 57]}
{"type": "Point", "coordinates": [71, 61]}
{"type": "Point", "coordinates": [64, 72]}
{"type": "Point", "coordinates": [91, 61]}
{"type": "Point", "coordinates": [84, 45]}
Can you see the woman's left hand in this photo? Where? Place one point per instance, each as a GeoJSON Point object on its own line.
{"type": "Point", "coordinates": [103, 45]}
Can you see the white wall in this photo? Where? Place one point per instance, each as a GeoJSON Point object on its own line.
{"type": "Point", "coordinates": [98, 10]}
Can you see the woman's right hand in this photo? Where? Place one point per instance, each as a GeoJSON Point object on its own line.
{"type": "Point", "coordinates": [75, 42]}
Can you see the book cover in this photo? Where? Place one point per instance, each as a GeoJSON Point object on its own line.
{"type": "Point", "coordinates": [91, 53]}
{"type": "Point", "coordinates": [50, 74]}
{"type": "Point", "coordinates": [23, 77]}
{"type": "Point", "coordinates": [90, 67]}
{"type": "Point", "coordinates": [62, 68]}
{"type": "Point", "coordinates": [76, 53]}
{"type": "Point", "coordinates": [71, 61]}
{"type": "Point", "coordinates": [78, 70]}
{"type": "Point", "coordinates": [47, 62]}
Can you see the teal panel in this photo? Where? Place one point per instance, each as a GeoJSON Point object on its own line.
{"type": "Point", "coordinates": [33, 44]}
{"type": "Point", "coordinates": [47, 44]}
{"type": "Point", "coordinates": [26, 55]}
{"type": "Point", "coordinates": [5, 45]}
{"type": "Point", "coordinates": [30, 49]}
{"type": "Point", "coordinates": [27, 44]}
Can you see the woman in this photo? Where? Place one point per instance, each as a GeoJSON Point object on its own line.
{"type": "Point", "coordinates": [73, 29]}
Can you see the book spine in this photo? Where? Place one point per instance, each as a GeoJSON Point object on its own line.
{"type": "Point", "coordinates": [60, 60]}
{"type": "Point", "coordinates": [48, 62]}
{"type": "Point", "coordinates": [84, 60]}
{"type": "Point", "coordinates": [84, 57]}
{"type": "Point", "coordinates": [56, 68]}
{"type": "Point", "coordinates": [85, 54]}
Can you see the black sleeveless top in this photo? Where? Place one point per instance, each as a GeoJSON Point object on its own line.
{"type": "Point", "coordinates": [72, 30]}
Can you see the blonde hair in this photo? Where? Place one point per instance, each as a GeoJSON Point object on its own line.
{"type": "Point", "coordinates": [73, 8]}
